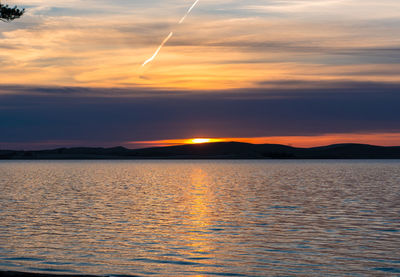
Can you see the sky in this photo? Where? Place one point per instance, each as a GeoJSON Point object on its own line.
{"type": "Point", "coordinates": [297, 72]}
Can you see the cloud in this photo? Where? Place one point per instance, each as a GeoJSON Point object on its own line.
{"type": "Point", "coordinates": [224, 44]}
{"type": "Point", "coordinates": [235, 68]}
{"type": "Point", "coordinates": [108, 116]}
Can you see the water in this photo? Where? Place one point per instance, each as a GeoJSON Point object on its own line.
{"type": "Point", "coordinates": [201, 218]}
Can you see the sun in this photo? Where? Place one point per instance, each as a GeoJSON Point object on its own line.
{"type": "Point", "coordinates": [200, 140]}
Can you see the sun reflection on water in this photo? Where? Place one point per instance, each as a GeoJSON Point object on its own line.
{"type": "Point", "coordinates": [200, 202]}
{"type": "Point", "coordinates": [199, 218]}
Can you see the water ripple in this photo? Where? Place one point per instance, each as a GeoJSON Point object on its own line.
{"type": "Point", "coordinates": [201, 218]}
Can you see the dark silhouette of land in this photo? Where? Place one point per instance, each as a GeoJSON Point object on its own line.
{"type": "Point", "coordinates": [219, 150]}
{"type": "Point", "coordinates": [27, 274]}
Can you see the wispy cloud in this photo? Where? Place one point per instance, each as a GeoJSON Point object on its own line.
{"type": "Point", "coordinates": [225, 44]}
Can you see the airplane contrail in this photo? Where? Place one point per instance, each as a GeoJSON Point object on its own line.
{"type": "Point", "coordinates": [187, 13]}
{"type": "Point", "coordinates": [169, 35]}
{"type": "Point", "coordinates": [158, 49]}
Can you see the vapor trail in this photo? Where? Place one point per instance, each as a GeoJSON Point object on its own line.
{"type": "Point", "coordinates": [158, 49]}
{"type": "Point", "coordinates": [169, 35]}
{"type": "Point", "coordinates": [187, 13]}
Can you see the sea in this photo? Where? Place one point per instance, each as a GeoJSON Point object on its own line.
{"type": "Point", "coordinates": [201, 217]}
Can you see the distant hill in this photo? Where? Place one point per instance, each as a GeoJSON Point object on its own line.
{"type": "Point", "coordinates": [218, 150]}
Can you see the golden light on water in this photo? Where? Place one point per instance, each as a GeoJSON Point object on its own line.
{"type": "Point", "coordinates": [200, 203]}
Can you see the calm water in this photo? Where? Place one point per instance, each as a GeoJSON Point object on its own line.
{"type": "Point", "coordinates": [201, 218]}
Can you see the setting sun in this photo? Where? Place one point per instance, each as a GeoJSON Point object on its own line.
{"type": "Point", "coordinates": [200, 140]}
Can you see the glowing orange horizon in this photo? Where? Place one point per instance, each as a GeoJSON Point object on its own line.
{"type": "Point", "coordinates": [383, 139]}
{"type": "Point", "coordinates": [201, 140]}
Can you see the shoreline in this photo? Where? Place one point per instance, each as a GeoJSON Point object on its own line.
{"type": "Point", "coordinates": [210, 151]}
{"type": "Point", "coordinates": [7, 273]}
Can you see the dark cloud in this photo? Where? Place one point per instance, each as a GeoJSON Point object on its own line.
{"type": "Point", "coordinates": [94, 116]}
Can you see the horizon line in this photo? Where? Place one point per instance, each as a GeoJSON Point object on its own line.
{"type": "Point", "coordinates": [299, 141]}
{"type": "Point", "coordinates": [193, 144]}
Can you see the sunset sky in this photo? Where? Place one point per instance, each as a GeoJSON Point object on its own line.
{"type": "Point", "coordinates": [296, 72]}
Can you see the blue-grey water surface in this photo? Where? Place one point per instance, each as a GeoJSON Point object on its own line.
{"type": "Point", "coordinates": [201, 218]}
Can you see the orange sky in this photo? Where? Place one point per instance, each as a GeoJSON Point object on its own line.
{"type": "Point", "coordinates": [258, 71]}
{"type": "Point", "coordinates": [383, 139]}
{"type": "Point", "coordinates": [220, 45]}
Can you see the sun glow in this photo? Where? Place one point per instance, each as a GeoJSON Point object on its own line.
{"type": "Point", "coordinates": [200, 140]}
{"type": "Point", "coordinates": [383, 139]}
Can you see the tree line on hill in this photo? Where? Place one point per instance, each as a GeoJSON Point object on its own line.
{"type": "Point", "coordinates": [218, 150]}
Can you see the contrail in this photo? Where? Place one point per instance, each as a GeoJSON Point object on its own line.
{"type": "Point", "coordinates": [169, 35]}
{"type": "Point", "coordinates": [158, 49]}
{"type": "Point", "coordinates": [187, 13]}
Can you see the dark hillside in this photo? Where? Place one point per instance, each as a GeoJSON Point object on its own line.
{"type": "Point", "coordinates": [219, 150]}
